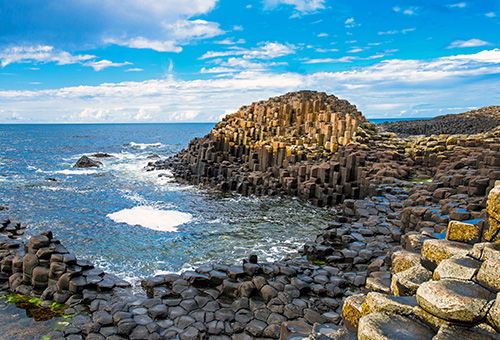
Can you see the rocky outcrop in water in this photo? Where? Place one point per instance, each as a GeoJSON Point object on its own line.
{"type": "Point", "coordinates": [86, 162]}
{"type": "Point", "coordinates": [471, 122]}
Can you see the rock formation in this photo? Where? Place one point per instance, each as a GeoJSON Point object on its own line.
{"type": "Point", "coordinates": [86, 162]}
{"type": "Point", "coordinates": [476, 121]}
{"type": "Point", "coordinates": [412, 254]}
{"type": "Point", "coordinates": [448, 289]}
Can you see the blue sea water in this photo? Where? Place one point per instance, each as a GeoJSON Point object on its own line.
{"type": "Point", "coordinates": [42, 190]}
{"type": "Point", "coordinates": [382, 120]}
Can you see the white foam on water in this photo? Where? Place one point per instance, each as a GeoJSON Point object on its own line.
{"type": "Point", "coordinates": [71, 172]}
{"type": "Point", "coordinates": [143, 146]}
{"type": "Point", "coordinates": [151, 218]}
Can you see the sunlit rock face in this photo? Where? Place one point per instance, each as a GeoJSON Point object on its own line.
{"type": "Point", "coordinates": [299, 122]}
{"type": "Point", "coordinates": [305, 144]}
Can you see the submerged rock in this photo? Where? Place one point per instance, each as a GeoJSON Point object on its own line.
{"type": "Point", "coordinates": [102, 155]}
{"type": "Point", "coordinates": [86, 162]}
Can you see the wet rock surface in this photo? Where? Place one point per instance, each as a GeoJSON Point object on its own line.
{"type": "Point", "coordinates": [86, 162]}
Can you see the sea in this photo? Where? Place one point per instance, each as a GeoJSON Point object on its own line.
{"type": "Point", "coordinates": [131, 222]}
{"type": "Point", "coordinates": [128, 221]}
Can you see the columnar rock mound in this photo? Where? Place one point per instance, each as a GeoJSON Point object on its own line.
{"type": "Point", "coordinates": [295, 144]}
{"type": "Point", "coordinates": [476, 121]}
{"type": "Point", "coordinates": [298, 122]}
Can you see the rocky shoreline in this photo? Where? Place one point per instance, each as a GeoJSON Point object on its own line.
{"type": "Point", "coordinates": [418, 220]}
{"type": "Point", "coordinates": [471, 122]}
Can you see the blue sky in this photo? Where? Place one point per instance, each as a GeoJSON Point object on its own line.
{"type": "Point", "coordinates": [194, 61]}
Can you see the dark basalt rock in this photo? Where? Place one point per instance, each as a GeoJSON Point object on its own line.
{"type": "Point", "coordinates": [477, 121]}
{"type": "Point", "coordinates": [102, 155]}
{"type": "Point", "coordinates": [86, 162]}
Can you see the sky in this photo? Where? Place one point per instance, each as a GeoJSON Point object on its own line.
{"type": "Point", "coordinates": [149, 61]}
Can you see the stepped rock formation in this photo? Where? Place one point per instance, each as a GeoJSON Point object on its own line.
{"type": "Point", "coordinates": [476, 121]}
{"type": "Point", "coordinates": [298, 144]}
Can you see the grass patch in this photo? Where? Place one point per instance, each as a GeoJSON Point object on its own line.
{"type": "Point", "coordinates": [319, 262]}
{"type": "Point", "coordinates": [421, 180]}
{"type": "Point", "coordinates": [34, 308]}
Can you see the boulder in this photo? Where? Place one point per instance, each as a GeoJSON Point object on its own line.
{"type": "Point", "coordinates": [494, 314]}
{"type": "Point", "coordinates": [463, 232]}
{"type": "Point", "coordinates": [377, 302]}
{"type": "Point", "coordinates": [454, 300]}
{"type": "Point", "coordinates": [85, 162]}
{"type": "Point", "coordinates": [403, 259]}
{"type": "Point", "coordinates": [437, 250]}
{"type": "Point", "coordinates": [493, 210]}
{"type": "Point", "coordinates": [352, 311]}
{"type": "Point", "coordinates": [454, 332]}
{"type": "Point", "coordinates": [488, 275]}
{"type": "Point", "coordinates": [102, 155]}
{"type": "Point", "coordinates": [457, 267]}
{"type": "Point", "coordinates": [383, 326]}
{"type": "Point", "coordinates": [405, 283]}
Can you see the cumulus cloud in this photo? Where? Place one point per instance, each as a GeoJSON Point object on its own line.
{"type": "Point", "coordinates": [392, 32]}
{"type": "Point", "coordinates": [160, 25]}
{"type": "Point", "coordinates": [406, 11]}
{"type": "Point", "coordinates": [102, 64]}
{"type": "Point", "coordinates": [458, 5]}
{"type": "Point", "coordinates": [39, 54]}
{"type": "Point", "coordinates": [468, 43]}
{"type": "Point", "coordinates": [301, 6]}
{"type": "Point", "coordinates": [350, 23]}
{"type": "Point", "coordinates": [417, 86]}
{"type": "Point", "coordinates": [144, 43]}
{"type": "Point", "coordinates": [179, 33]}
{"type": "Point", "coordinates": [267, 50]}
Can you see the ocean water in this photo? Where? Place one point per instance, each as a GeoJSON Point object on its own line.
{"type": "Point", "coordinates": [382, 120]}
{"type": "Point", "coordinates": [131, 222]}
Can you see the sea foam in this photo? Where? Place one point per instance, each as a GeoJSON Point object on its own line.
{"type": "Point", "coordinates": [151, 218]}
{"type": "Point", "coordinates": [76, 172]}
{"type": "Point", "coordinates": [142, 146]}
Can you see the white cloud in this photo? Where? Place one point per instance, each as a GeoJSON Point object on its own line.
{"type": "Point", "coordinates": [301, 6]}
{"type": "Point", "coordinates": [389, 87]}
{"type": "Point", "coordinates": [268, 50]}
{"type": "Point", "coordinates": [102, 64]}
{"type": "Point", "coordinates": [193, 29]}
{"type": "Point", "coordinates": [407, 11]}
{"type": "Point", "coordinates": [237, 28]}
{"type": "Point", "coordinates": [179, 33]}
{"type": "Point", "coordinates": [355, 50]}
{"type": "Point", "coordinates": [230, 41]}
{"type": "Point", "coordinates": [322, 35]}
{"type": "Point", "coordinates": [218, 70]}
{"type": "Point", "coordinates": [158, 24]}
{"type": "Point", "coordinates": [144, 43]}
{"type": "Point", "coordinates": [458, 5]}
{"type": "Point", "coordinates": [350, 23]}
{"type": "Point", "coordinates": [135, 69]}
{"type": "Point", "coordinates": [392, 32]}
{"type": "Point", "coordinates": [468, 43]}
{"type": "Point", "coordinates": [490, 14]}
{"type": "Point", "coordinates": [325, 50]}
{"type": "Point", "coordinates": [39, 54]}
